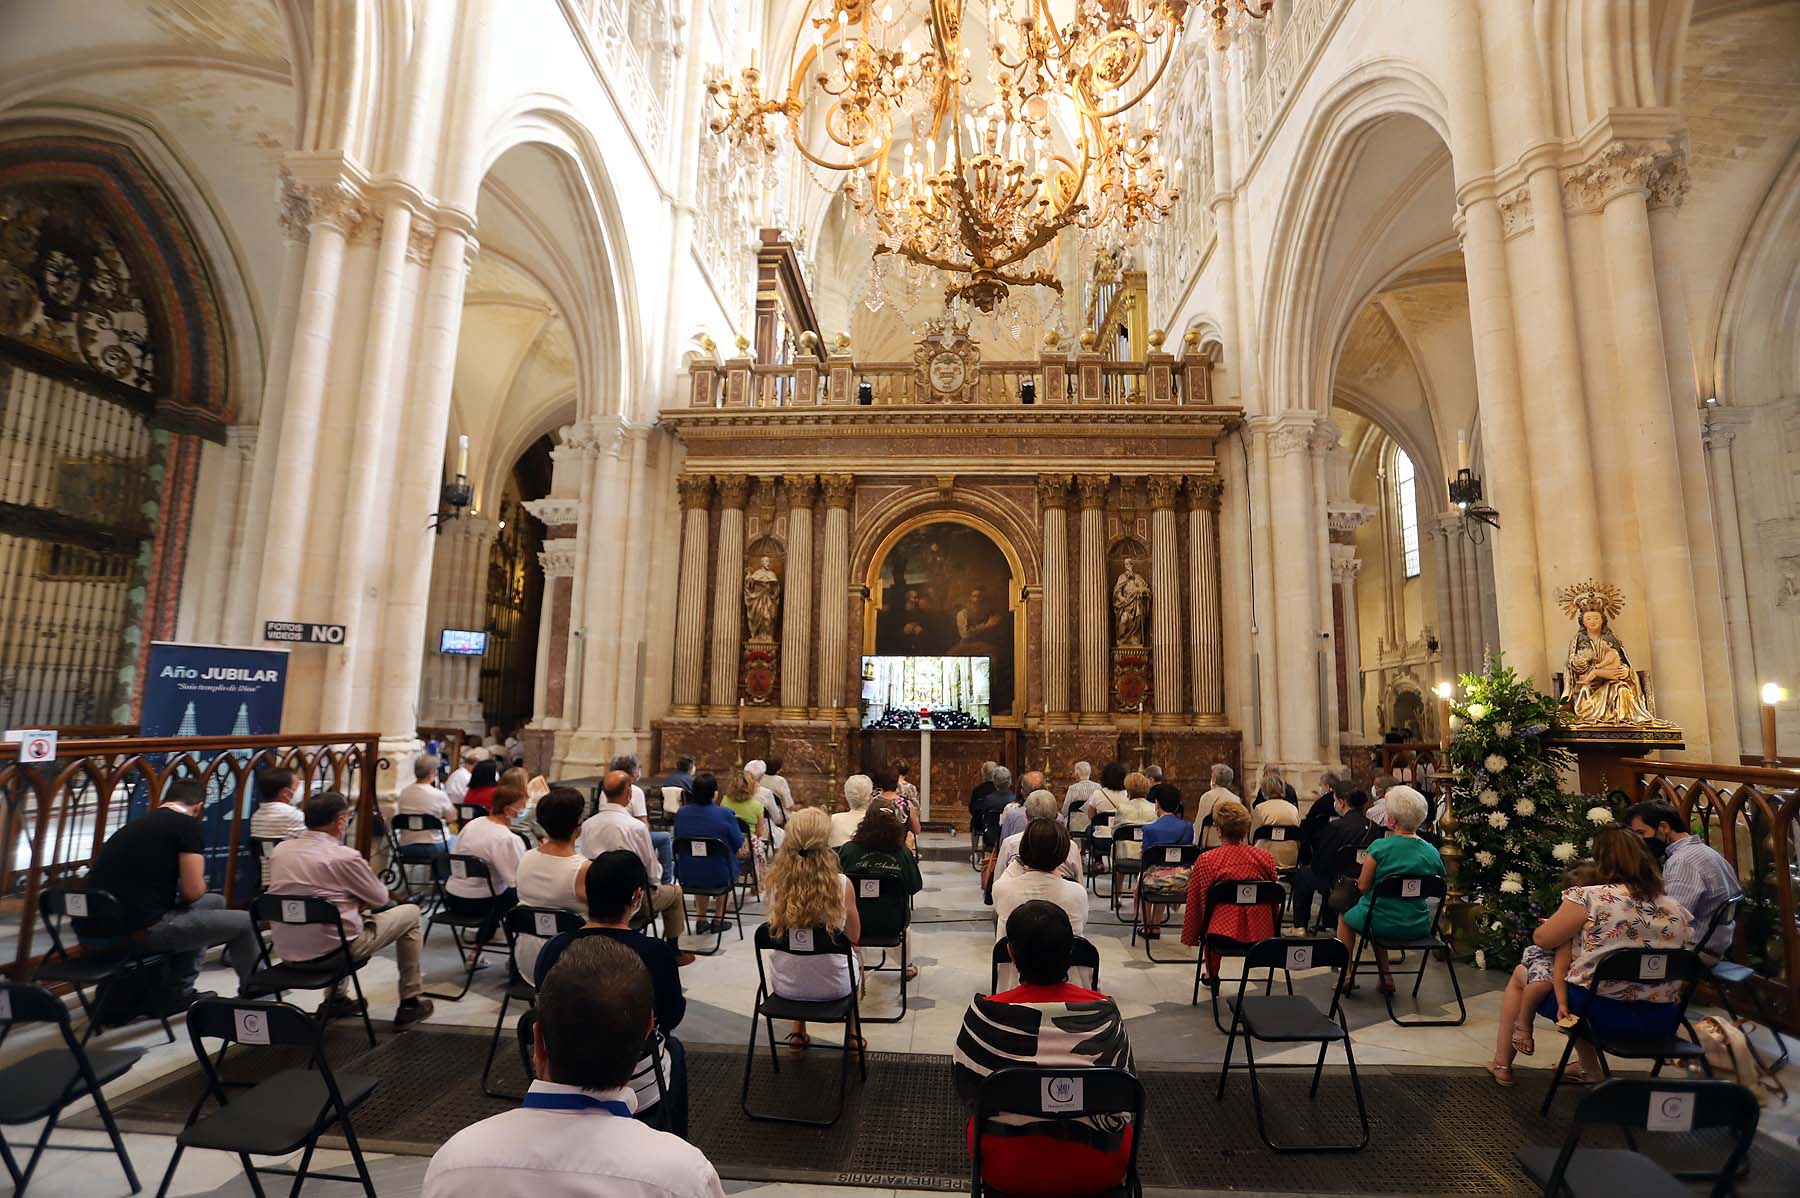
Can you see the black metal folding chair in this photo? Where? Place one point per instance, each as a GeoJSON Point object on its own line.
{"type": "Point", "coordinates": [469, 812]}
{"type": "Point", "coordinates": [321, 973]}
{"type": "Point", "coordinates": [1126, 868]}
{"type": "Point", "coordinates": [1150, 894]}
{"type": "Point", "coordinates": [770, 1007]}
{"type": "Point", "coordinates": [43, 1084]}
{"type": "Point", "coordinates": [1645, 966]}
{"type": "Point", "coordinates": [1099, 837]}
{"type": "Point", "coordinates": [100, 968]}
{"type": "Point", "coordinates": [875, 893]}
{"type": "Point", "coordinates": [1084, 966]}
{"type": "Point", "coordinates": [1639, 1105]}
{"type": "Point", "coordinates": [1293, 1019]}
{"type": "Point", "coordinates": [283, 1112]}
{"type": "Point", "coordinates": [409, 856]}
{"type": "Point", "coordinates": [465, 928]}
{"type": "Point", "coordinates": [1053, 1096]}
{"type": "Point", "coordinates": [263, 848]}
{"type": "Point", "coordinates": [694, 848]}
{"type": "Point", "coordinates": [542, 922]}
{"type": "Point", "coordinates": [1230, 893]}
{"type": "Point", "coordinates": [1730, 977]}
{"type": "Point", "coordinates": [1395, 890]}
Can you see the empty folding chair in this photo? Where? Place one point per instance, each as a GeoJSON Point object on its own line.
{"type": "Point", "coordinates": [770, 1006]}
{"type": "Point", "coordinates": [43, 1084]}
{"type": "Point", "coordinates": [1084, 966]}
{"type": "Point", "coordinates": [281, 1113]}
{"type": "Point", "coordinates": [322, 973]}
{"type": "Point", "coordinates": [543, 923]}
{"type": "Point", "coordinates": [1105, 1098]}
{"type": "Point", "coordinates": [465, 929]}
{"type": "Point", "coordinates": [1293, 1019]}
{"type": "Point", "coordinates": [1681, 967]}
{"type": "Point", "coordinates": [1669, 1105]}
{"type": "Point", "coordinates": [1394, 890]}
{"type": "Point", "coordinates": [877, 897]}
{"type": "Point", "coordinates": [96, 965]}
{"type": "Point", "coordinates": [697, 881]}
{"type": "Point", "coordinates": [1162, 894]}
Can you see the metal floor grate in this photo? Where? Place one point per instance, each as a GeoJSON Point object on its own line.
{"type": "Point", "coordinates": [1433, 1131]}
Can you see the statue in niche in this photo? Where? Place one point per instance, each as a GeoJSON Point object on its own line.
{"type": "Point", "coordinates": [762, 599]}
{"type": "Point", "coordinates": [1131, 606]}
{"type": "Point", "coordinates": [1601, 687]}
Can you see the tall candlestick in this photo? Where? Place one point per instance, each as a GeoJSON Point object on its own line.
{"type": "Point", "coordinates": [1771, 695]}
{"type": "Point", "coordinates": [740, 719]}
{"type": "Point", "coordinates": [462, 456]}
{"type": "Point", "coordinates": [1444, 691]}
{"type": "Point", "coordinates": [1462, 450]}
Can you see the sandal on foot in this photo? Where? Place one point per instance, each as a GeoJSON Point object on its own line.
{"type": "Point", "coordinates": [1523, 1044]}
{"type": "Point", "coordinates": [797, 1042]}
{"type": "Point", "coordinates": [1578, 1077]}
{"type": "Point", "coordinates": [1502, 1074]}
{"type": "Point", "coordinates": [912, 971]}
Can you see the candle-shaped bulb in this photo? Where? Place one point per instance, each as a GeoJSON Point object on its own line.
{"type": "Point", "coordinates": [1771, 693]}
{"type": "Point", "coordinates": [1462, 450]}
{"type": "Point", "coordinates": [462, 456]}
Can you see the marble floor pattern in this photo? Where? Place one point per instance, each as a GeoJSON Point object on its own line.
{"type": "Point", "coordinates": [953, 938]}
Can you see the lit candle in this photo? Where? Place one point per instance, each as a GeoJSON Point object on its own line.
{"type": "Point", "coordinates": [462, 456]}
{"type": "Point", "coordinates": [740, 719]}
{"type": "Point", "coordinates": [1462, 450]}
{"type": "Point", "coordinates": [1771, 695]}
{"type": "Point", "coordinates": [1444, 691]}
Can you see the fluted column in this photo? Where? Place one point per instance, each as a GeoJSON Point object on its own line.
{"type": "Point", "coordinates": [1344, 568]}
{"type": "Point", "coordinates": [1203, 599]}
{"type": "Point", "coordinates": [1093, 615]}
{"type": "Point", "coordinates": [728, 594]}
{"type": "Point", "coordinates": [1165, 602]}
{"type": "Point", "coordinates": [797, 618]}
{"type": "Point", "coordinates": [691, 589]}
{"type": "Point", "coordinates": [834, 590]}
{"type": "Point", "coordinates": [1053, 498]}
{"type": "Point", "coordinates": [1300, 674]}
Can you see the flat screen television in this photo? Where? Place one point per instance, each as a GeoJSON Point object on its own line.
{"type": "Point", "coordinates": [464, 642]}
{"type": "Point", "coordinates": [942, 693]}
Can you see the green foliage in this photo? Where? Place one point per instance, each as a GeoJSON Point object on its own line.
{"type": "Point", "coordinates": [1518, 832]}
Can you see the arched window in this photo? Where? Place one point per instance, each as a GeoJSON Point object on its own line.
{"type": "Point", "coordinates": [1408, 507]}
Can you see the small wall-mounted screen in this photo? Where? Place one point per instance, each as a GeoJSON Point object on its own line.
{"type": "Point", "coordinates": [463, 642]}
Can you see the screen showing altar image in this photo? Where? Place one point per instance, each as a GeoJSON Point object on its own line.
{"type": "Point", "coordinates": [954, 690]}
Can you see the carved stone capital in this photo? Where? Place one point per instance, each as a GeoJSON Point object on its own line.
{"type": "Point", "coordinates": [1204, 492]}
{"type": "Point", "coordinates": [1346, 518]}
{"type": "Point", "coordinates": [295, 210]}
{"type": "Point", "coordinates": [1515, 211]}
{"type": "Point", "coordinates": [734, 489]}
{"type": "Point", "coordinates": [1623, 168]}
{"type": "Point", "coordinates": [555, 510]}
{"type": "Point", "coordinates": [339, 205]}
{"type": "Point", "coordinates": [839, 489]}
{"type": "Point", "coordinates": [421, 239]}
{"type": "Point", "coordinates": [695, 491]}
{"type": "Point", "coordinates": [1053, 490]}
{"type": "Point", "coordinates": [1669, 184]}
{"type": "Point", "coordinates": [558, 558]}
{"type": "Point", "coordinates": [1293, 433]}
{"type": "Point", "coordinates": [1344, 564]}
{"type": "Point", "coordinates": [802, 489]}
{"type": "Point", "coordinates": [590, 438]}
{"type": "Point", "coordinates": [1162, 489]}
{"type": "Point", "coordinates": [1093, 489]}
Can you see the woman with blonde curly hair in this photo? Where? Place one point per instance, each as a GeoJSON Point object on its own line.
{"type": "Point", "coordinates": [807, 890]}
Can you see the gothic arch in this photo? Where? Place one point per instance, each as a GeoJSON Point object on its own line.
{"type": "Point", "coordinates": [979, 507]}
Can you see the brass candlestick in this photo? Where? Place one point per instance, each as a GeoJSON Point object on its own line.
{"type": "Point", "coordinates": [1143, 748]}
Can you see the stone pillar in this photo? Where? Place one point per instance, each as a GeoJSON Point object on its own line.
{"type": "Point", "coordinates": [555, 618]}
{"type": "Point", "coordinates": [1442, 533]}
{"type": "Point", "coordinates": [1093, 616]}
{"type": "Point", "coordinates": [834, 590]}
{"type": "Point", "coordinates": [728, 594]}
{"type": "Point", "coordinates": [1165, 602]}
{"type": "Point", "coordinates": [1298, 677]}
{"type": "Point", "coordinates": [1053, 498]}
{"type": "Point", "coordinates": [691, 589]}
{"type": "Point", "coordinates": [1344, 568]}
{"type": "Point", "coordinates": [1722, 425]}
{"type": "Point", "coordinates": [1203, 600]}
{"type": "Point", "coordinates": [797, 613]}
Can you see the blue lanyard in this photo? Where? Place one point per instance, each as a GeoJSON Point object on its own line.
{"type": "Point", "coordinates": [540, 1100]}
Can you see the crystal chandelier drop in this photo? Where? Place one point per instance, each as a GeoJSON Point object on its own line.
{"type": "Point", "coordinates": [1231, 18]}
{"type": "Point", "coordinates": [970, 173]}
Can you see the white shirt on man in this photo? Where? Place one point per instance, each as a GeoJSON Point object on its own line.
{"type": "Point", "coordinates": [1215, 795]}
{"type": "Point", "coordinates": [1016, 887]}
{"type": "Point", "coordinates": [277, 821]}
{"type": "Point", "coordinates": [639, 807]}
{"type": "Point", "coordinates": [540, 1153]}
{"type": "Point", "coordinates": [422, 798]}
{"type": "Point", "coordinates": [457, 784]}
{"type": "Point", "coordinates": [613, 827]}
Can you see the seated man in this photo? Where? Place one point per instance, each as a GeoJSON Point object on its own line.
{"type": "Point", "coordinates": [1014, 818]}
{"type": "Point", "coordinates": [320, 865]}
{"type": "Point", "coordinates": [277, 812]}
{"type": "Point", "coordinates": [663, 842]}
{"type": "Point", "coordinates": [593, 1014]}
{"type": "Point", "coordinates": [1044, 1022]}
{"type": "Point", "coordinates": [1041, 805]}
{"type": "Point", "coordinates": [616, 883]}
{"type": "Point", "coordinates": [1351, 829]}
{"type": "Point", "coordinates": [457, 784]}
{"type": "Point", "coordinates": [614, 827]}
{"type": "Point", "coordinates": [1695, 874]}
{"type": "Point", "coordinates": [985, 812]}
{"type": "Point", "coordinates": [155, 866]}
{"type": "Point", "coordinates": [424, 798]}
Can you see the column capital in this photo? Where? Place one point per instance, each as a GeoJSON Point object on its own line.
{"type": "Point", "coordinates": [1204, 491]}
{"type": "Point", "coordinates": [839, 489]}
{"type": "Point", "coordinates": [695, 491]}
{"type": "Point", "coordinates": [421, 239]}
{"type": "Point", "coordinates": [1093, 489]}
{"type": "Point", "coordinates": [802, 489]}
{"type": "Point", "coordinates": [555, 510]}
{"type": "Point", "coordinates": [336, 199]}
{"type": "Point", "coordinates": [558, 558]}
{"type": "Point", "coordinates": [1301, 432]}
{"type": "Point", "coordinates": [1162, 488]}
{"type": "Point", "coordinates": [1515, 211]}
{"type": "Point", "coordinates": [1624, 167]}
{"type": "Point", "coordinates": [734, 490]}
{"type": "Point", "coordinates": [1344, 564]}
{"type": "Point", "coordinates": [1346, 518]}
{"type": "Point", "coordinates": [1053, 490]}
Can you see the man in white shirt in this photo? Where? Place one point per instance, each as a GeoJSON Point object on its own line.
{"type": "Point", "coordinates": [574, 1137]}
{"type": "Point", "coordinates": [1222, 778]}
{"type": "Point", "coordinates": [662, 842]}
{"type": "Point", "coordinates": [1376, 811]}
{"type": "Point", "coordinates": [614, 827]}
{"type": "Point", "coordinates": [457, 784]}
{"type": "Point", "coordinates": [1080, 790]}
{"type": "Point", "coordinates": [422, 798]}
{"type": "Point", "coordinates": [277, 817]}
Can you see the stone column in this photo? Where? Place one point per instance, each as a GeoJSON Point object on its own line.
{"type": "Point", "coordinates": [1203, 600]}
{"type": "Point", "coordinates": [1722, 425]}
{"type": "Point", "coordinates": [691, 588]}
{"type": "Point", "coordinates": [556, 617]}
{"type": "Point", "coordinates": [728, 594]}
{"type": "Point", "coordinates": [1344, 568]}
{"type": "Point", "coordinates": [1093, 616]}
{"type": "Point", "coordinates": [1298, 676]}
{"type": "Point", "coordinates": [1053, 498]}
{"type": "Point", "coordinates": [1165, 602]}
{"type": "Point", "coordinates": [834, 590]}
{"type": "Point", "coordinates": [1442, 533]}
{"type": "Point", "coordinates": [797, 615]}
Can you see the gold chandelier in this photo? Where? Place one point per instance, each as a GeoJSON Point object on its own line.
{"type": "Point", "coordinates": [986, 175]}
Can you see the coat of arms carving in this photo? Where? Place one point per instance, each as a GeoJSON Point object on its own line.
{"type": "Point", "coordinates": [946, 364]}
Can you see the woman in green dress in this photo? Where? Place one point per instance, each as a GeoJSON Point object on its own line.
{"type": "Point", "coordinates": [1401, 853]}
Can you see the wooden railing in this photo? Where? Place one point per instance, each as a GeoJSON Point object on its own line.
{"type": "Point", "coordinates": [1751, 815]}
{"type": "Point", "coordinates": [57, 814]}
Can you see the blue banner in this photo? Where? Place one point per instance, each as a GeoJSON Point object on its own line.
{"type": "Point", "coordinates": [213, 690]}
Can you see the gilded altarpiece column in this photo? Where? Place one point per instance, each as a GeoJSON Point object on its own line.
{"type": "Point", "coordinates": [1053, 499]}
{"type": "Point", "coordinates": [1094, 614]}
{"type": "Point", "coordinates": [834, 589]}
{"type": "Point", "coordinates": [691, 590]}
{"type": "Point", "coordinates": [797, 619]}
{"type": "Point", "coordinates": [1165, 602]}
{"type": "Point", "coordinates": [728, 594]}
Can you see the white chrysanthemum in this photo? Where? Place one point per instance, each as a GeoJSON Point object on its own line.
{"type": "Point", "coordinates": [1489, 798]}
{"type": "Point", "coordinates": [1494, 763]}
{"type": "Point", "coordinates": [1564, 852]}
{"type": "Point", "coordinates": [1496, 819]}
{"type": "Point", "coordinates": [1483, 858]}
{"type": "Point", "coordinates": [1477, 711]}
{"type": "Point", "coordinates": [1599, 815]}
{"type": "Point", "coordinates": [1524, 807]}
{"type": "Point", "coordinates": [1512, 882]}
{"type": "Point", "coordinates": [1480, 959]}
{"type": "Point", "coordinates": [1503, 728]}
{"type": "Point", "coordinates": [1495, 925]}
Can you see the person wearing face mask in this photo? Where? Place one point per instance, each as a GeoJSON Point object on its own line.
{"type": "Point", "coordinates": [1694, 873]}
{"type": "Point", "coordinates": [1351, 828]}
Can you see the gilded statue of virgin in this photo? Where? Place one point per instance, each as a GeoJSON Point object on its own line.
{"type": "Point", "coordinates": [1600, 686]}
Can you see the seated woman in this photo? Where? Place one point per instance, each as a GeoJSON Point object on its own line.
{"type": "Point", "coordinates": [1231, 861]}
{"type": "Point", "coordinates": [879, 848]}
{"type": "Point", "coordinates": [1037, 874]}
{"type": "Point", "coordinates": [1399, 854]}
{"type": "Point", "coordinates": [1044, 1022]}
{"type": "Point", "coordinates": [1169, 829]}
{"type": "Point", "coordinates": [700, 816]}
{"type": "Point", "coordinates": [807, 889]}
{"type": "Point", "coordinates": [490, 838]}
{"type": "Point", "coordinates": [1624, 907]}
{"type": "Point", "coordinates": [552, 874]}
{"type": "Point", "coordinates": [858, 790]}
{"type": "Point", "coordinates": [745, 799]}
{"type": "Point", "coordinates": [482, 781]}
{"type": "Point", "coordinates": [1107, 801]}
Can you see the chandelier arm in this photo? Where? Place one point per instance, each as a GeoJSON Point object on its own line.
{"type": "Point", "coordinates": [1168, 56]}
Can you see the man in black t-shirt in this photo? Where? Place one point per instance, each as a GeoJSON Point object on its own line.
{"type": "Point", "coordinates": [155, 866]}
